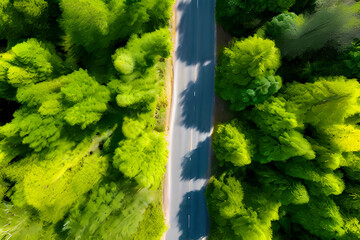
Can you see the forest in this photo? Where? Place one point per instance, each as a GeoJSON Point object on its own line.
{"type": "Point", "coordinates": [288, 162]}
{"type": "Point", "coordinates": [82, 118]}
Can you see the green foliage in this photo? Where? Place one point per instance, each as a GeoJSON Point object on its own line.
{"type": "Point", "coordinates": [302, 178]}
{"type": "Point", "coordinates": [288, 144]}
{"type": "Point", "coordinates": [108, 214]}
{"type": "Point", "coordinates": [352, 60]}
{"type": "Point", "coordinates": [245, 74]}
{"type": "Point", "coordinates": [98, 24]}
{"type": "Point", "coordinates": [321, 216]}
{"type": "Point", "coordinates": [125, 224]}
{"type": "Point", "coordinates": [27, 18]}
{"type": "Point", "coordinates": [54, 184]}
{"type": "Point", "coordinates": [237, 16]}
{"type": "Point", "coordinates": [232, 218]}
{"type": "Point", "coordinates": [17, 224]}
{"type": "Point", "coordinates": [74, 99]}
{"type": "Point", "coordinates": [327, 101]}
{"type": "Point", "coordinates": [138, 86]}
{"type": "Point", "coordinates": [304, 162]}
{"type": "Point", "coordinates": [153, 224]}
{"type": "Point", "coordinates": [280, 24]}
{"type": "Point", "coordinates": [230, 145]}
{"type": "Point", "coordinates": [26, 63]}
{"type": "Point", "coordinates": [333, 24]}
{"type": "Point", "coordinates": [134, 158]}
{"type": "Point", "coordinates": [282, 187]}
{"type": "Point", "coordinates": [87, 97]}
{"type": "Point", "coordinates": [68, 99]}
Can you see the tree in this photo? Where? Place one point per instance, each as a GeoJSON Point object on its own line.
{"type": "Point", "coordinates": [237, 16]}
{"type": "Point", "coordinates": [332, 24]}
{"type": "Point", "coordinates": [135, 158]}
{"type": "Point", "coordinates": [304, 165]}
{"type": "Point", "coordinates": [245, 75]}
{"type": "Point", "coordinates": [74, 88]}
{"type": "Point", "coordinates": [18, 224]}
{"type": "Point", "coordinates": [31, 18]}
{"type": "Point", "coordinates": [321, 217]}
{"type": "Point", "coordinates": [327, 101]}
{"type": "Point", "coordinates": [137, 86]}
{"type": "Point", "coordinates": [232, 218]}
{"type": "Point", "coordinates": [153, 225]}
{"type": "Point", "coordinates": [97, 25]}
{"type": "Point", "coordinates": [54, 184]}
{"type": "Point", "coordinates": [230, 144]}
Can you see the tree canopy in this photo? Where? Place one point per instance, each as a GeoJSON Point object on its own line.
{"type": "Point", "coordinates": [287, 166]}
{"type": "Point", "coordinates": [82, 97]}
{"type": "Point", "coordinates": [246, 72]}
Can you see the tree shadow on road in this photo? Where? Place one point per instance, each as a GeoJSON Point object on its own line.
{"type": "Point", "coordinates": [192, 19]}
{"type": "Point", "coordinates": [195, 163]}
{"type": "Point", "coordinates": [196, 228]}
{"type": "Point", "coordinates": [196, 110]}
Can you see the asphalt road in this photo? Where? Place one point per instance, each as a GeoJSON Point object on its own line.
{"type": "Point", "coordinates": [191, 120]}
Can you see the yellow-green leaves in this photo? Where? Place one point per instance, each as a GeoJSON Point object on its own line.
{"type": "Point", "coordinates": [235, 216]}
{"type": "Point", "coordinates": [326, 101]}
{"type": "Point", "coordinates": [230, 144]}
{"type": "Point", "coordinates": [138, 85]}
{"type": "Point", "coordinates": [25, 18]}
{"type": "Point", "coordinates": [246, 73]}
{"type": "Point", "coordinates": [65, 98]}
{"type": "Point", "coordinates": [98, 24]}
{"type": "Point", "coordinates": [343, 138]}
{"type": "Point", "coordinates": [86, 21]}
{"type": "Point", "coordinates": [124, 63]}
{"type": "Point", "coordinates": [52, 185]}
{"type": "Point", "coordinates": [250, 58]}
{"type": "Point", "coordinates": [28, 62]}
{"type": "Point", "coordinates": [87, 99]}
{"type": "Point", "coordinates": [135, 158]}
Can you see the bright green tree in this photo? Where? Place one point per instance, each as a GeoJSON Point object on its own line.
{"type": "Point", "coordinates": [246, 72]}
{"type": "Point", "coordinates": [230, 144]}
{"type": "Point", "coordinates": [135, 158]}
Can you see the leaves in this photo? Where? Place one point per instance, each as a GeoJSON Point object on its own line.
{"type": "Point", "coordinates": [73, 99]}
{"type": "Point", "coordinates": [135, 158]}
{"type": "Point", "coordinates": [230, 144]}
{"type": "Point", "coordinates": [245, 75]}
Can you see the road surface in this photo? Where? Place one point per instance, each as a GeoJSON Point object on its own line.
{"type": "Point", "coordinates": [191, 120]}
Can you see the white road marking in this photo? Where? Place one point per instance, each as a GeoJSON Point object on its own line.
{"type": "Point", "coordinates": [191, 137]}
{"type": "Point", "coordinates": [208, 62]}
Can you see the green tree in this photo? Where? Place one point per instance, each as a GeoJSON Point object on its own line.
{"type": "Point", "coordinates": [135, 158]}
{"type": "Point", "coordinates": [245, 74]}
{"type": "Point", "coordinates": [230, 144]}
{"type": "Point", "coordinates": [138, 86]}
{"type": "Point", "coordinates": [28, 18]}
{"type": "Point", "coordinates": [333, 24]}
{"type": "Point", "coordinates": [97, 25]}
{"type": "Point", "coordinates": [232, 218]}
{"type": "Point", "coordinates": [237, 16]}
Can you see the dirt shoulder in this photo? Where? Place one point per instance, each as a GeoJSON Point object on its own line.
{"type": "Point", "coordinates": [222, 112]}
{"type": "Point", "coordinates": [169, 74]}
